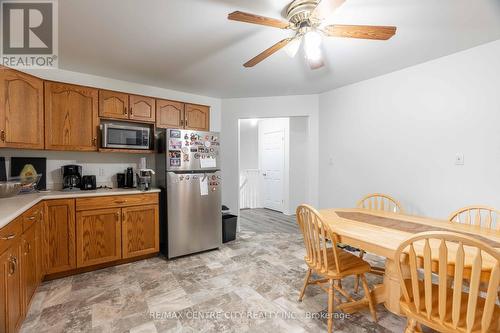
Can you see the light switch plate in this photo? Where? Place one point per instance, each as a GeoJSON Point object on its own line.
{"type": "Point", "coordinates": [459, 159]}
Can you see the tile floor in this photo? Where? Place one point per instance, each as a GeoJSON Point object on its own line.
{"type": "Point", "coordinates": [249, 285]}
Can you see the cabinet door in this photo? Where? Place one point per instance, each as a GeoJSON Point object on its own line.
{"type": "Point", "coordinates": [70, 117]}
{"type": "Point", "coordinates": [169, 114]}
{"type": "Point", "coordinates": [11, 305]}
{"type": "Point", "coordinates": [29, 263]}
{"type": "Point", "coordinates": [142, 108]}
{"type": "Point", "coordinates": [21, 110]}
{"type": "Point", "coordinates": [3, 291]}
{"type": "Point", "coordinates": [197, 117]}
{"type": "Point", "coordinates": [59, 236]}
{"type": "Point", "coordinates": [113, 104]}
{"type": "Point", "coordinates": [98, 236]}
{"type": "Point", "coordinates": [140, 232]}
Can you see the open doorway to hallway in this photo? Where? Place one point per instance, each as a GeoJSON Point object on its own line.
{"type": "Point", "coordinates": [273, 166]}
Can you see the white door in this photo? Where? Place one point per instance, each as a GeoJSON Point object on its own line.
{"type": "Point", "coordinates": [272, 168]}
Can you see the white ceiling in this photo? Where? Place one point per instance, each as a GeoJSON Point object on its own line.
{"type": "Point", "coordinates": [189, 45]}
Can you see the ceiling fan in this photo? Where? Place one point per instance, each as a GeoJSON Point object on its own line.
{"type": "Point", "coordinates": [305, 18]}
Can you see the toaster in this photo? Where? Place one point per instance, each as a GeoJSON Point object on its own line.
{"type": "Point", "coordinates": [88, 183]}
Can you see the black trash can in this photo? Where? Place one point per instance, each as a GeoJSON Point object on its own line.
{"type": "Point", "coordinates": [229, 222]}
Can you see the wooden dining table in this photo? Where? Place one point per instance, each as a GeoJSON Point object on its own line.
{"type": "Point", "coordinates": [381, 233]}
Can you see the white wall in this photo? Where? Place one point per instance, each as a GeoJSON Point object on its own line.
{"type": "Point", "coordinates": [249, 144]}
{"type": "Point", "coordinates": [266, 107]}
{"type": "Point", "coordinates": [399, 134]}
{"type": "Point", "coordinates": [299, 135]}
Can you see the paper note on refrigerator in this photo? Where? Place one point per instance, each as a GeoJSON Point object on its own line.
{"type": "Point", "coordinates": [204, 185]}
{"type": "Point", "coordinates": [208, 162]}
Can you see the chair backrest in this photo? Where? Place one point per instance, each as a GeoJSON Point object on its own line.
{"type": "Point", "coordinates": [379, 201]}
{"type": "Point", "coordinates": [317, 238]}
{"type": "Point", "coordinates": [431, 252]}
{"type": "Point", "coordinates": [483, 216]}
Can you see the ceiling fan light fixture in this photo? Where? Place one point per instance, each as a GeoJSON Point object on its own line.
{"type": "Point", "coordinates": [312, 45]}
{"type": "Point", "coordinates": [293, 47]}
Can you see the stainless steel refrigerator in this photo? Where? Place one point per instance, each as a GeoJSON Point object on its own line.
{"type": "Point", "coordinates": [187, 171]}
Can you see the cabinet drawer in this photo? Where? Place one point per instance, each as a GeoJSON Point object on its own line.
{"type": "Point", "coordinates": [116, 201]}
{"type": "Point", "coordinates": [10, 233]}
{"type": "Point", "coordinates": [32, 216]}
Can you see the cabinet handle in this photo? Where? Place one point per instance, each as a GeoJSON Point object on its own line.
{"type": "Point", "coordinates": [94, 142]}
{"type": "Point", "coordinates": [2, 135]}
{"type": "Point", "coordinates": [185, 122]}
{"type": "Point", "coordinates": [120, 202]}
{"type": "Point", "coordinates": [9, 237]}
{"type": "Point", "coordinates": [27, 247]}
{"type": "Point", "coordinates": [131, 111]}
{"type": "Point", "coordinates": [31, 218]}
{"type": "Point", "coordinates": [117, 216]}
{"type": "Point", "coordinates": [12, 265]}
{"type": "Point", "coordinates": [125, 110]}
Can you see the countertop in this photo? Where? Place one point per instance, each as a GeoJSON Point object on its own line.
{"type": "Point", "coordinates": [10, 208]}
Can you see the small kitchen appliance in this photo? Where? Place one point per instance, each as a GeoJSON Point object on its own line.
{"type": "Point", "coordinates": [129, 178]}
{"type": "Point", "coordinates": [126, 136]}
{"type": "Point", "coordinates": [144, 179]}
{"type": "Point", "coordinates": [89, 183]}
{"type": "Point", "coordinates": [72, 177]}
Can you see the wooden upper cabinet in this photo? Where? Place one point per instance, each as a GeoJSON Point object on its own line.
{"type": "Point", "coordinates": [169, 114]}
{"type": "Point", "coordinates": [142, 108]}
{"type": "Point", "coordinates": [197, 117]}
{"type": "Point", "coordinates": [98, 236]}
{"type": "Point", "coordinates": [59, 236]}
{"type": "Point", "coordinates": [113, 104]}
{"type": "Point", "coordinates": [140, 231]}
{"type": "Point", "coordinates": [71, 118]}
{"type": "Point", "coordinates": [21, 110]}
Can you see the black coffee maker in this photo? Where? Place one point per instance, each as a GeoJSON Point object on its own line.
{"type": "Point", "coordinates": [72, 177]}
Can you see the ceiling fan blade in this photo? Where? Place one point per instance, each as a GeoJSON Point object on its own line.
{"type": "Point", "coordinates": [325, 8]}
{"type": "Point", "coordinates": [257, 19]}
{"type": "Point", "coordinates": [267, 53]}
{"type": "Point", "coordinates": [360, 31]}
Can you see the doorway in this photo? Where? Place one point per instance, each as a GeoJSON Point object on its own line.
{"type": "Point", "coordinates": [271, 166]}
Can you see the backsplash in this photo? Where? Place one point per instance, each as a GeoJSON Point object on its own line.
{"type": "Point", "coordinates": [104, 166]}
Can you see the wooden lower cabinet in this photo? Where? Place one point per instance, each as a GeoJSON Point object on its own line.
{"type": "Point", "coordinates": [140, 231]}
{"type": "Point", "coordinates": [52, 238]}
{"type": "Point", "coordinates": [98, 236]}
{"type": "Point", "coordinates": [59, 232]}
{"type": "Point", "coordinates": [30, 261]}
{"type": "Point", "coordinates": [11, 305]}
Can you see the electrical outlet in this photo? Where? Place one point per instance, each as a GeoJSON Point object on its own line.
{"type": "Point", "coordinates": [101, 172]}
{"type": "Point", "coordinates": [459, 159]}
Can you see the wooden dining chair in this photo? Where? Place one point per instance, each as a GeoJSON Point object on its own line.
{"type": "Point", "coordinates": [483, 216]}
{"type": "Point", "coordinates": [454, 302]}
{"type": "Point", "coordinates": [377, 202]}
{"type": "Point", "coordinates": [331, 263]}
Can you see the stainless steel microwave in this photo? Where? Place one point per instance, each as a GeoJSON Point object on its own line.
{"type": "Point", "coordinates": [126, 136]}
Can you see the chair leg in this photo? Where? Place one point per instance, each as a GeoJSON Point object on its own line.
{"type": "Point", "coordinates": [410, 326]}
{"type": "Point", "coordinates": [356, 281]}
{"type": "Point", "coordinates": [330, 306]}
{"type": "Point", "coordinates": [306, 283]}
{"type": "Point", "coordinates": [368, 295]}
{"type": "Point", "coordinates": [356, 284]}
